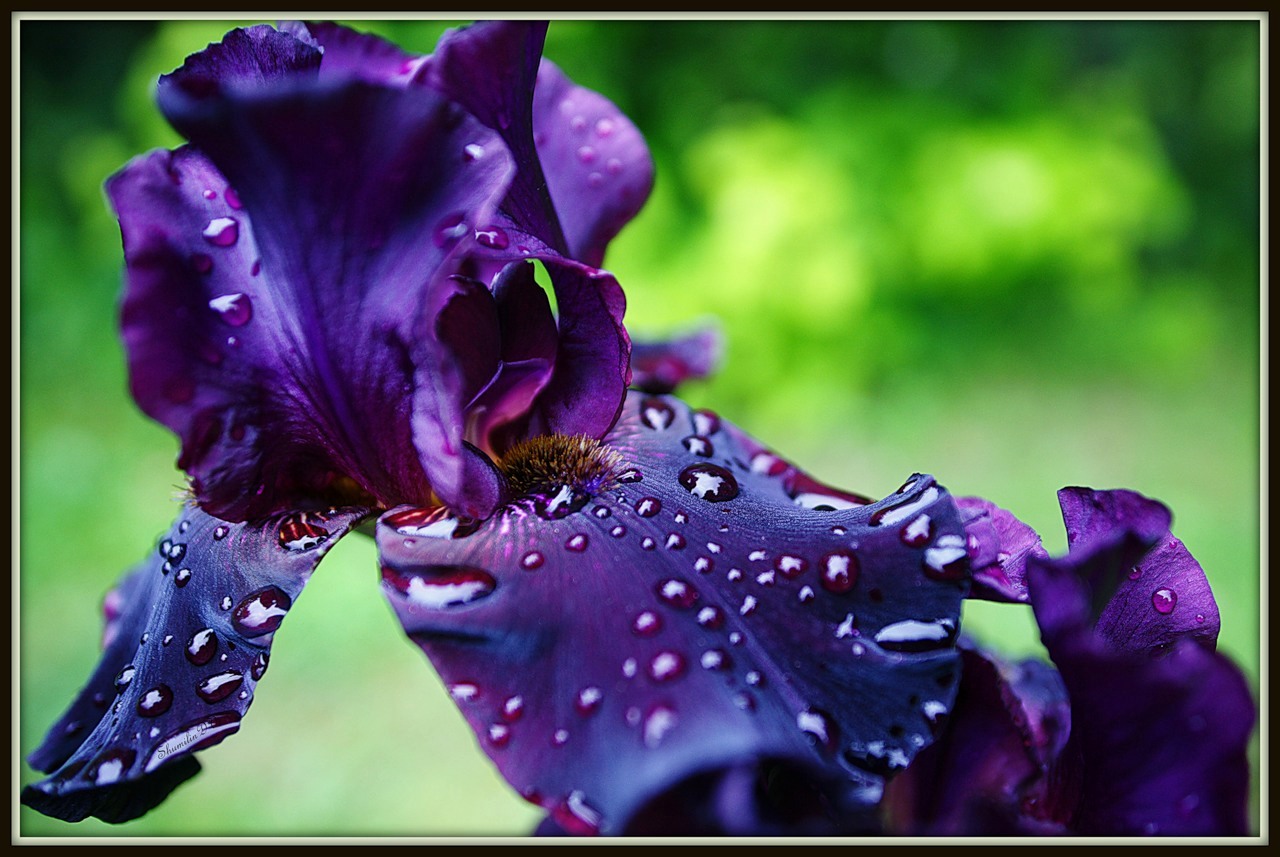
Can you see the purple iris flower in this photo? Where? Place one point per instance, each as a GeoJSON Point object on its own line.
{"type": "Point", "coordinates": [1143, 727]}
{"type": "Point", "coordinates": [652, 621]}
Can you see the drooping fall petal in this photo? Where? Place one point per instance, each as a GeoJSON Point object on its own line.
{"type": "Point", "coordinates": [188, 638]}
{"type": "Point", "coordinates": [655, 607]}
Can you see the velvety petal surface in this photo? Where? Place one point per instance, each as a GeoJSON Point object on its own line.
{"type": "Point", "coordinates": [1161, 722]}
{"type": "Point", "coordinates": [188, 638]}
{"type": "Point", "coordinates": [597, 165]}
{"type": "Point", "coordinates": [661, 608]}
{"type": "Point", "coordinates": [275, 276]}
{"type": "Point", "coordinates": [660, 366]}
{"type": "Point", "coordinates": [999, 545]}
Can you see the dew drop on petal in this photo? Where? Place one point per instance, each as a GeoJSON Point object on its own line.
{"type": "Point", "coordinates": [218, 687]}
{"type": "Point", "coordinates": [819, 727]}
{"type": "Point", "coordinates": [714, 659]}
{"type": "Point", "coordinates": [656, 414]}
{"type": "Point", "coordinates": [660, 721]}
{"type": "Point", "coordinates": [711, 482]}
{"type": "Point", "coordinates": [472, 152]}
{"type": "Point", "coordinates": [234, 309]}
{"type": "Point", "coordinates": [259, 666]}
{"type": "Point", "coordinates": [948, 559]}
{"type": "Point", "coordinates": [666, 665]}
{"type": "Point", "coordinates": [532, 560]}
{"type": "Point", "coordinates": [839, 571]}
{"type": "Point", "coordinates": [918, 533]}
{"type": "Point", "coordinates": [588, 700]}
{"type": "Point", "coordinates": [1164, 600]}
{"type": "Point", "coordinates": [261, 612]}
{"type": "Point", "coordinates": [711, 617]}
{"type": "Point", "coordinates": [575, 816]}
{"type": "Point", "coordinates": [464, 691]}
{"type": "Point", "coordinates": [202, 646]}
{"type": "Point", "coordinates": [576, 543]}
{"type": "Point", "coordinates": [498, 735]}
{"type": "Point", "coordinates": [647, 623]}
{"type": "Point", "coordinates": [155, 701]}
{"type": "Point", "coordinates": [222, 231]}
{"type": "Point", "coordinates": [677, 593]}
{"type": "Point", "coordinates": [450, 229]}
{"type": "Point", "coordinates": [182, 577]}
{"type": "Point", "coordinates": [647, 507]}
{"type": "Point", "coordinates": [233, 198]}
{"type": "Point", "coordinates": [443, 587]}
{"type": "Point", "coordinates": [494, 238]}
{"type": "Point", "coordinates": [124, 677]}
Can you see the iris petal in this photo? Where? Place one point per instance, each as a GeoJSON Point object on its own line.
{"type": "Point", "coordinates": [270, 324]}
{"type": "Point", "coordinates": [606, 642]}
{"type": "Point", "coordinates": [189, 636]}
{"type": "Point", "coordinates": [999, 545]}
{"type": "Point", "coordinates": [660, 366]}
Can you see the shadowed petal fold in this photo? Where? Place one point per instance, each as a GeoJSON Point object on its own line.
{"type": "Point", "coordinates": [188, 638]}
{"type": "Point", "coordinates": [652, 605]}
{"type": "Point", "coordinates": [660, 366]}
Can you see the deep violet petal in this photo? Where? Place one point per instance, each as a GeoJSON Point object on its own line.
{"type": "Point", "coordinates": [999, 545]}
{"type": "Point", "coordinates": [597, 165]}
{"type": "Point", "coordinates": [188, 643]}
{"type": "Point", "coordinates": [490, 68]}
{"type": "Point", "coordinates": [354, 201]}
{"type": "Point", "coordinates": [660, 366]}
{"type": "Point", "coordinates": [349, 53]}
{"type": "Point", "coordinates": [606, 645]}
{"type": "Point", "coordinates": [988, 772]}
{"type": "Point", "coordinates": [1161, 723]}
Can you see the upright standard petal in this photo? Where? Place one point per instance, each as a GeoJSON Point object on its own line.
{"type": "Point", "coordinates": [189, 635]}
{"type": "Point", "coordinates": [1160, 722]}
{"type": "Point", "coordinates": [650, 608]}
{"type": "Point", "coordinates": [275, 276]}
{"type": "Point", "coordinates": [999, 545]}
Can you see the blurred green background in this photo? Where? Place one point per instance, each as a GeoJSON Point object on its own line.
{"type": "Point", "coordinates": [1018, 255]}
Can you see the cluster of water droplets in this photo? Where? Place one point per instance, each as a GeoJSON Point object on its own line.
{"type": "Point", "coordinates": [722, 572]}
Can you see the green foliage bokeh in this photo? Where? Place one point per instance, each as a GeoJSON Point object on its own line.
{"type": "Point", "coordinates": [1015, 254]}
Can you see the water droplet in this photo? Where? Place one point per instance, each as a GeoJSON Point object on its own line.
{"type": "Point", "coordinates": [767, 464]}
{"type": "Point", "coordinates": [472, 152]}
{"type": "Point", "coordinates": [647, 507]}
{"type": "Point", "coordinates": [618, 532]}
{"type": "Point", "coordinates": [196, 736]}
{"type": "Point", "coordinates": [532, 560]}
{"type": "Point", "coordinates": [904, 509]}
{"type": "Point", "coordinates": [220, 532]}
{"type": "Point", "coordinates": [758, 556]}
{"type": "Point", "coordinates": [918, 533]}
{"type": "Point", "coordinates": [259, 666]}
{"type": "Point", "coordinates": [299, 533]}
{"type": "Point", "coordinates": [110, 766]}
{"type": "Point", "coordinates": [464, 691]}
{"type": "Point", "coordinates": [675, 542]}
{"type": "Point", "coordinates": [574, 815]}
{"type": "Point", "coordinates": [647, 624]}
{"type": "Point", "coordinates": [748, 606]}
{"type": "Point", "coordinates": [648, 544]}
{"type": "Point", "coordinates": [493, 238]}
{"type": "Point", "coordinates": [233, 198]}
{"type": "Point", "coordinates": [660, 721]}
{"type": "Point", "coordinates": [604, 127]}
{"type": "Point", "coordinates": [819, 502]}
{"type": "Point", "coordinates": [234, 309]}
{"type": "Point", "coordinates": [765, 578]}
{"type": "Point", "coordinates": [124, 677]}
{"type": "Point", "coordinates": [1135, 573]}
{"type": "Point", "coordinates": [711, 482]}
{"type": "Point", "coordinates": [698, 445]}
{"type": "Point", "coordinates": [656, 414]}
{"type": "Point", "coordinates": [202, 647]}
{"type": "Point", "coordinates": [499, 735]}
{"type": "Point", "coordinates": [1200, 617]}
{"type": "Point", "coordinates": [912, 635]}
{"type": "Point", "coordinates": [166, 640]}
{"type": "Point", "coordinates": [754, 679]}
{"type": "Point", "coordinates": [630, 476]}
{"type": "Point", "coordinates": [629, 667]}
{"type": "Point", "coordinates": [735, 574]}
{"type": "Point", "coordinates": [677, 593]}
{"type": "Point", "coordinates": [210, 194]}
{"type": "Point", "coordinates": [819, 726]}
{"type": "Point", "coordinates": [564, 502]}
{"type": "Point", "coordinates": [789, 566]}
{"type": "Point", "coordinates": [222, 231]}
{"type": "Point", "coordinates": [666, 666]}
{"type": "Point", "coordinates": [450, 229]}
{"type": "Point", "coordinates": [440, 587]}
{"type": "Point", "coordinates": [588, 700]}
{"type": "Point", "coordinates": [595, 180]}
{"type": "Point", "coordinates": [845, 628]}
{"type": "Point", "coordinates": [180, 579]}
{"type": "Point", "coordinates": [713, 547]}
{"type": "Point", "coordinates": [218, 687]}
{"type": "Point", "coordinates": [703, 565]}
{"type": "Point", "coordinates": [225, 603]}
{"type": "Point", "coordinates": [613, 166]}
{"type": "Point", "coordinates": [576, 543]}
{"type": "Point", "coordinates": [1164, 600]}
{"type": "Point", "coordinates": [806, 594]}
{"type": "Point", "coordinates": [559, 737]}
{"type": "Point", "coordinates": [681, 518]}
{"type": "Point", "coordinates": [948, 559]}
{"type": "Point", "coordinates": [715, 660]}
{"type": "Point", "coordinates": [155, 701]}
{"type": "Point", "coordinates": [839, 571]}
{"type": "Point", "coordinates": [586, 154]}
{"type": "Point", "coordinates": [261, 612]}
{"type": "Point", "coordinates": [711, 617]}
{"type": "Point", "coordinates": [706, 422]}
